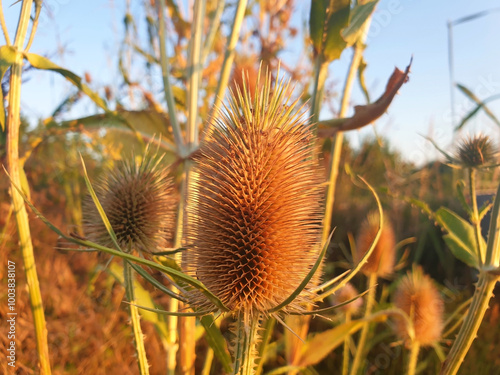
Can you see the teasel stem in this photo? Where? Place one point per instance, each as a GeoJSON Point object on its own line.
{"type": "Point", "coordinates": [345, 359]}
{"type": "Point", "coordinates": [128, 279]}
{"type": "Point", "coordinates": [339, 137]}
{"type": "Point", "coordinates": [475, 215]}
{"type": "Point", "coordinates": [321, 72]}
{"type": "Point", "coordinates": [247, 339]}
{"type": "Point", "coordinates": [212, 32]}
{"type": "Point", "coordinates": [174, 303]}
{"type": "Point", "coordinates": [194, 74]}
{"type": "Point", "coordinates": [165, 69]}
{"type": "Point", "coordinates": [4, 25]}
{"type": "Point", "coordinates": [13, 166]}
{"type": "Point", "coordinates": [470, 326]}
{"type": "Point", "coordinates": [370, 302]}
{"type": "Point", "coordinates": [412, 362]}
{"type": "Point", "coordinates": [229, 56]}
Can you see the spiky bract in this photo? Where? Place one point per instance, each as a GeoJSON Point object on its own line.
{"type": "Point", "coordinates": [417, 296]}
{"type": "Point", "coordinates": [255, 211]}
{"type": "Point", "coordinates": [381, 261]}
{"type": "Point", "coordinates": [139, 203]}
{"type": "Point", "coordinates": [476, 151]}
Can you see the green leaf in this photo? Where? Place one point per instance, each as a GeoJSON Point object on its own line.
{"type": "Point", "coordinates": [7, 58]}
{"type": "Point", "coordinates": [217, 342]}
{"type": "Point", "coordinates": [480, 104]}
{"type": "Point", "coordinates": [359, 15]}
{"type": "Point", "coordinates": [460, 238]}
{"type": "Point", "coordinates": [142, 298]}
{"type": "Point", "coordinates": [326, 21]}
{"type": "Point", "coordinates": [43, 63]}
{"type": "Point", "coordinates": [320, 345]}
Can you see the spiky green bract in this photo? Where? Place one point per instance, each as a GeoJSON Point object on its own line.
{"type": "Point", "coordinates": [254, 213]}
{"type": "Point", "coordinates": [138, 200]}
{"type": "Point", "coordinates": [476, 151]}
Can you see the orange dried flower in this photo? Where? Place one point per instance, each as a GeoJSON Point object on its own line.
{"type": "Point", "coordinates": [254, 213]}
{"type": "Point", "coordinates": [381, 261]}
{"type": "Point", "coordinates": [417, 296]}
{"type": "Point", "coordinates": [345, 294]}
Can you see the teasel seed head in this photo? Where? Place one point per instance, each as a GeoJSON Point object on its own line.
{"type": "Point", "coordinates": [417, 296]}
{"type": "Point", "coordinates": [347, 293]}
{"type": "Point", "coordinates": [476, 151]}
{"type": "Point", "coordinates": [254, 215]}
{"type": "Point", "coordinates": [138, 200]}
{"type": "Point", "coordinates": [381, 261]}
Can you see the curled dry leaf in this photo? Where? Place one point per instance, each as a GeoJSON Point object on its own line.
{"type": "Point", "coordinates": [366, 114]}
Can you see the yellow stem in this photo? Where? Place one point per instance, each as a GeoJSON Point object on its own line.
{"type": "Point", "coordinates": [13, 166]}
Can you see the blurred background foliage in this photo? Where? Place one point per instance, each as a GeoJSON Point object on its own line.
{"type": "Point", "coordinates": [87, 323]}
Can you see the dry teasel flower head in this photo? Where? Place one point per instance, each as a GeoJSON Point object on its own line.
{"type": "Point", "coordinates": [254, 212]}
{"type": "Point", "coordinates": [417, 296]}
{"type": "Point", "coordinates": [476, 151]}
{"type": "Point", "coordinates": [347, 293]}
{"type": "Point", "coordinates": [138, 200]}
{"type": "Point", "coordinates": [381, 261]}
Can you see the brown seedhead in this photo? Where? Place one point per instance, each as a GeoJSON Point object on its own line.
{"type": "Point", "coordinates": [417, 296]}
{"type": "Point", "coordinates": [254, 213]}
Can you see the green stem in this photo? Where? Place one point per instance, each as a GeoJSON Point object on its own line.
{"type": "Point", "coordinates": [345, 361]}
{"type": "Point", "coordinates": [194, 75]}
{"type": "Point", "coordinates": [267, 332]}
{"type": "Point", "coordinates": [336, 149]}
{"type": "Point", "coordinates": [174, 303]}
{"type": "Point", "coordinates": [412, 363]}
{"type": "Point", "coordinates": [13, 166]}
{"type": "Point", "coordinates": [247, 338]}
{"type": "Point", "coordinates": [165, 69]}
{"type": "Point", "coordinates": [214, 26]}
{"type": "Point", "coordinates": [229, 56]}
{"type": "Point", "coordinates": [321, 72]}
{"type": "Point", "coordinates": [128, 278]}
{"type": "Point", "coordinates": [370, 301]}
{"type": "Point", "coordinates": [475, 215]}
{"type": "Point", "coordinates": [468, 331]}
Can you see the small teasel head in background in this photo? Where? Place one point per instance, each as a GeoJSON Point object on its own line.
{"type": "Point", "coordinates": [347, 293]}
{"type": "Point", "coordinates": [381, 261]}
{"type": "Point", "coordinates": [138, 199]}
{"type": "Point", "coordinates": [476, 151]}
{"type": "Point", "coordinates": [255, 202]}
{"type": "Point", "coordinates": [419, 298]}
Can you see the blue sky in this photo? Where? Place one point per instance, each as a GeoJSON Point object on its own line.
{"type": "Point", "coordinates": [90, 31]}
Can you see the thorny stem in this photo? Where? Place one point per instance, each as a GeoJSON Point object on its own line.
{"type": "Point", "coordinates": [468, 331]}
{"type": "Point", "coordinates": [412, 362]}
{"type": "Point", "coordinates": [475, 215]}
{"type": "Point", "coordinates": [247, 338]}
{"type": "Point", "coordinates": [13, 165]}
{"type": "Point", "coordinates": [174, 303]}
{"type": "Point", "coordinates": [128, 279]}
{"type": "Point", "coordinates": [370, 301]}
